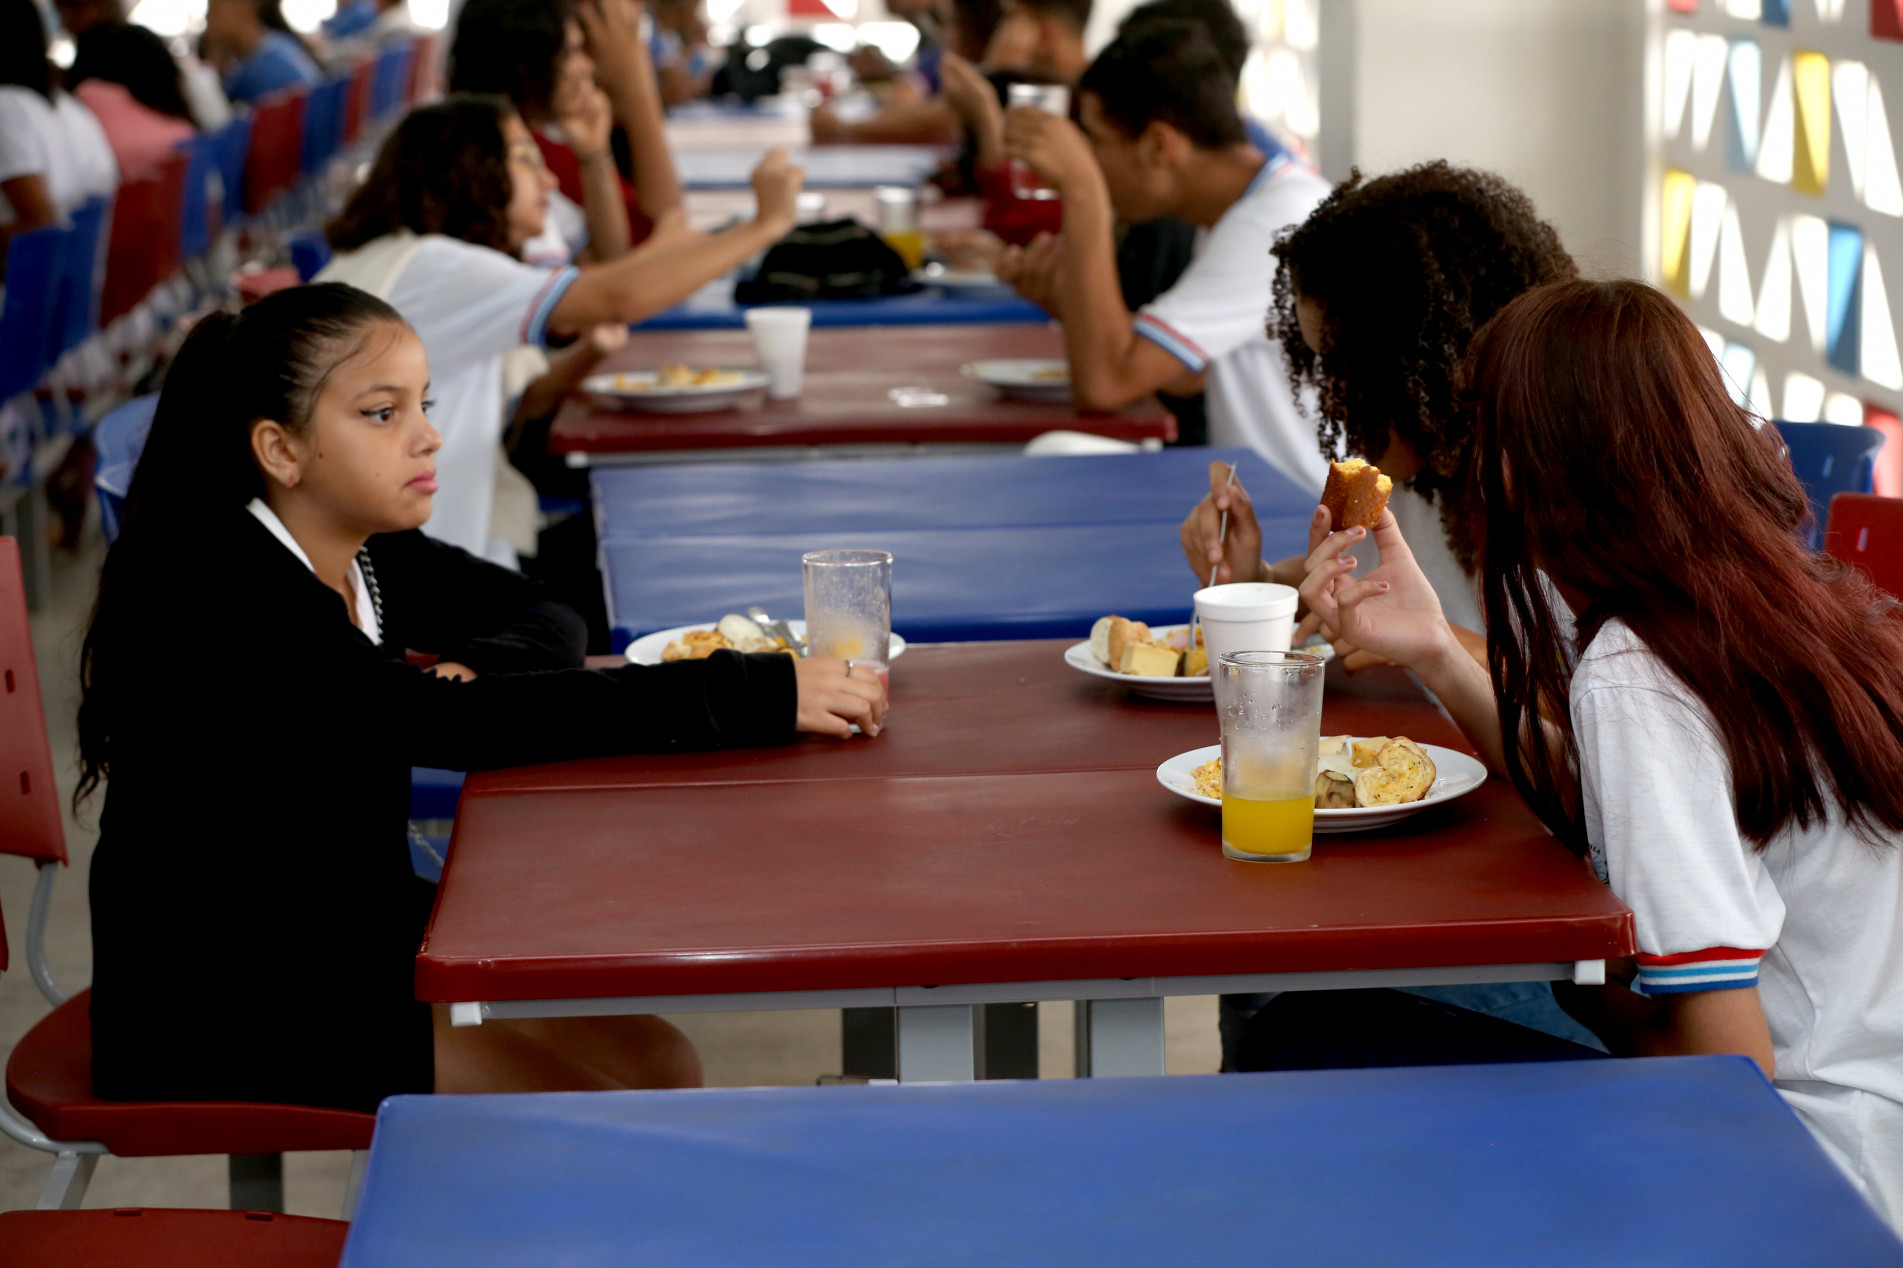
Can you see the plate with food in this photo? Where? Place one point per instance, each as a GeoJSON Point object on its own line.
{"type": "Point", "coordinates": [1361, 782]}
{"type": "Point", "coordinates": [741, 633]}
{"type": "Point", "coordinates": [1155, 662]}
{"type": "Point", "coordinates": [1024, 379]}
{"type": "Point", "coordinates": [675, 388]}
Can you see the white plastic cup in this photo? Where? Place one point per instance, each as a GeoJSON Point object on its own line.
{"type": "Point", "coordinates": [779, 344]}
{"type": "Point", "coordinates": [1247, 616]}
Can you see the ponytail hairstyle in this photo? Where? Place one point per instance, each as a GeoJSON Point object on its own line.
{"type": "Point", "coordinates": [443, 169]}
{"type": "Point", "coordinates": [1612, 458]}
{"type": "Point", "coordinates": [269, 362]}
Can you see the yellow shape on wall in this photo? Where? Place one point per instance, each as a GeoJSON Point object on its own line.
{"type": "Point", "coordinates": [1675, 228]}
{"type": "Point", "coordinates": [1811, 73]}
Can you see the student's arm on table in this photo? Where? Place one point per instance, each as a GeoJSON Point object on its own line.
{"type": "Point", "coordinates": [589, 130]}
{"type": "Point", "coordinates": [639, 285]}
{"type": "Point", "coordinates": [1073, 276]}
{"type": "Point", "coordinates": [626, 69]}
{"type": "Point", "coordinates": [928, 122]}
{"type": "Point", "coordinates": [567, 369]}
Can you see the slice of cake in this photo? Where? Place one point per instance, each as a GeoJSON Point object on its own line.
{"type": "Point", "coordinates": [1355, 495]}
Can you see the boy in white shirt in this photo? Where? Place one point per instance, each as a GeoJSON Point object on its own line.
{"type": "Point", "coordinates": [1160, 137]}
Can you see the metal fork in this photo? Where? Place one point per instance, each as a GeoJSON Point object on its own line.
{"type": "Point", "coordinates": [1222, 535]}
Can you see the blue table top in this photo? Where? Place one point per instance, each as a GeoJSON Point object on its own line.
{"type": "Point", "coordinates": [1690, 1160]}
{"type": "Point", "coordinates": [965, 492]}
{"type": "Point", "coordinates": [983, 548]}
{"type": "Point", "coordinates": [951, 585]}
{"type": "Point", "coordinates": [712, 308]}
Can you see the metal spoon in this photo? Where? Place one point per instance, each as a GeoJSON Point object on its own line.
{"type": "Point", "coordinates": [1222, 536]}
{"type": "Point", "coordinates": [779, 629]}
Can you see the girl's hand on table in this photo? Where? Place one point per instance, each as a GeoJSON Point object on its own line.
{"type": "Point", "coordinates": [1239, 558]}
{"type": "Point", "coordinates": [833, 696]}
{"type": "Point", "coordinates": [1034, 271]}
{"type": "Point", "coordinates": [1392, 612]}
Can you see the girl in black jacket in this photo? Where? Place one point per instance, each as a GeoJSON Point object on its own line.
{"type": "Point", "coordinates": [247, 696]}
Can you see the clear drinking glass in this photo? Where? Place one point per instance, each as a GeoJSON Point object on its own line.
{"type": "Point", "coordinates": [1051, 99]}
{"type": "Point", "coordinates": [849, 606]}
{"type": "Point", "coordinates": [1270, 706]}
{"type": "Point", "coordinates": [899, 223]}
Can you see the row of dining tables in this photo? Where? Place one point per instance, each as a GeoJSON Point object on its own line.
{"type": "Point", "coordinates": [1005, 841]}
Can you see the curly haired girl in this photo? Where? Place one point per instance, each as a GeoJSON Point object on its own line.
{"type": "Point", "coordinates": [1377, 296]}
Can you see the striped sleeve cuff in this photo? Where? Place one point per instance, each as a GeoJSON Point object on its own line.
{"type": "Point", "coordinates": [535, 325]}
{"type": "Point", "coordinates": [1171, 341]}
{"type": "Point", "coordinates": [1713, 969]}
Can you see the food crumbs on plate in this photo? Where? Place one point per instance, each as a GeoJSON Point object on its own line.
{"type": "Point", "coordinates": [1396, 771]}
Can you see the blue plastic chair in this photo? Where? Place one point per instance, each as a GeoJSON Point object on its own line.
{"type": "Point", "coordinates": [390, 81]}
{"type": "Point", "coordinates": [323, 125]}
{"type": "Point", "coordinates": [1830, 458]}
{"type": "Point", "coordinates": [119, 438]}
{"type": "Point", "coordinates": [309, 254]}
{"type": "Point", "coordinates": [234, 143]}
{"type": "Point", "coordinates": [194, 223]}
{"type": "Point", "coordinates": [76, 310]}
{"type": "Point", "coordinates": [31, 300]}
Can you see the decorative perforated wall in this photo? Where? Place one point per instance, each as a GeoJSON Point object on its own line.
{"type": "Point", "coordinates": [1779, 204]}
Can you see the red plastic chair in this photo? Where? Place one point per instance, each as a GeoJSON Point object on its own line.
{"type": "Point", "coordinates": [144, 249]}
{"type": "Point", "coordinates": [171, 1239]}
{"type": "Point", "coordinates": [357, 100]}
{"type": "Point", "coordinates": [275, 159]}
{"type": "Point", "coordinates": [49, 1075]}
{"type": "Point", "coordinates": [423, 69]}
{"type": "Point", "coordinates": [1867, 531]}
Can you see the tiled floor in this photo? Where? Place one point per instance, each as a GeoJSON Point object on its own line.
{"type": "Point", "coordinates": [736, 1048]}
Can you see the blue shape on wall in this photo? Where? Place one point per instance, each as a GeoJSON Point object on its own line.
{"type": "Point", "coordinates": [1844, 303]}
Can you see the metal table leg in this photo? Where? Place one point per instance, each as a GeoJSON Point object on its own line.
{"type": "Point", "coordinates": [1118, 1038]}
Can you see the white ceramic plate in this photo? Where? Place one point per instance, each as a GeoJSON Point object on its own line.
{"type": "Point", "coordinates": [1456, 775]}
{"type": "Point", "coordinates": [638, 389]}
{"type": "Point", "coordinates": [1078, 656]}
{"type": "Point", "coordinates": [1029, 379]}
{"type": "Point", "coordinates": [960, 281]}
{"type": "Point", "coordinates": [647, 649]}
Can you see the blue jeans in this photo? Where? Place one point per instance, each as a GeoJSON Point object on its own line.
{"type": "Point", "coordinates": [1325, 1030]}
{"type": "Point", "coordinates": [1528, 1004]}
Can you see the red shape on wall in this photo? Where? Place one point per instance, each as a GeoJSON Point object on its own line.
{"type": "Point", "coordinates": [1886, 19]}
{"type": "Point", "coordinates": [1691, 6]}
{"type": "Point", "coordinates": [1889, 472]}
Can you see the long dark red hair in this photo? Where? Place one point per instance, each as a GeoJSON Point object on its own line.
{"type": "Point", "coordinates": [1612, 458]}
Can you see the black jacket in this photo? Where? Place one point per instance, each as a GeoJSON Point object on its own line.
{"type": "Point", "coordinates": [255, 921]}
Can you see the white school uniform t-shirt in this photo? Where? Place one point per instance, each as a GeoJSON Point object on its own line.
{"type": "Point", "coordinates": [472, 307]}
{"type": "Point", "coordinates": [1815, 920]}
{"type": "Point", "coordinates": [1215, 319]}
{"type": "Point", "coordinates": [57, 140]}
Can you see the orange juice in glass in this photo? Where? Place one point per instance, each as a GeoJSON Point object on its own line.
{"type": "Point", "coordinates": [1270, 707]}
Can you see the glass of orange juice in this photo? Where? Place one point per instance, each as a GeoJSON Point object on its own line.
{"type": "Point", "coordinates": [1270, 706]}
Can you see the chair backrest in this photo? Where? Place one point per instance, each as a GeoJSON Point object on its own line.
{"type": "Point", "coordinates": [119, 438]}
{"type": "Point", "coordinates": [27, 305]}
{"type": "Point", "coordinates": [195, 210]}
{"type": "Point", "coordinates": [323, 125]}
{"type": "Point", "coordinates": [1867, 531]}
{"type": "Point", "coordinates": [425, 54]}
{"type": "Point", "coordinates": [234, 149]}
{"type": "Point", "coordinates": [273, 159]}
{"type": "Point", "coordinates": [1830, 458]}
{"type": "Point", "coordinates": [143, 250]}
{"type": "Point", "coordinates": [391, 82]}
{"type": "Point", "coordinates": [81, 276]}
{"type": "Point", "coordinates": [29, 799]}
